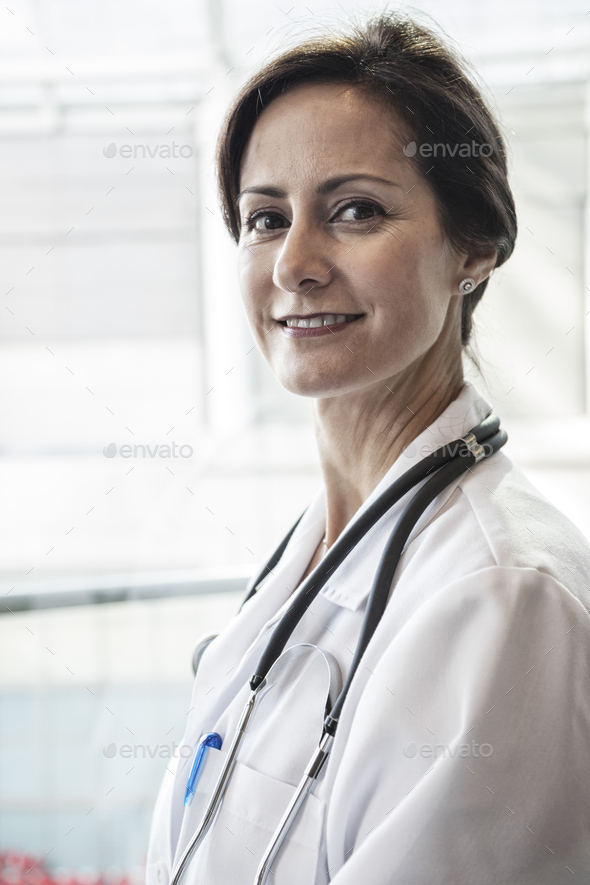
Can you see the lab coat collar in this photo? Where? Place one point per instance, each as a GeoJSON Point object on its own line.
{"type": "Point", "coordinates": [465, 412]}
{"type": "Point", "coordinates": [344, 588]}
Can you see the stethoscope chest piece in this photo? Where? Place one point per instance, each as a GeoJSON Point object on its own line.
{"type": "Point", "coordinates": [280, 727]}
{"type": "Point", "coordinates": [288, 718]}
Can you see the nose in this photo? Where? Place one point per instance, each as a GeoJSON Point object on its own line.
{"type": "Point", "coordinates": [303, 263]}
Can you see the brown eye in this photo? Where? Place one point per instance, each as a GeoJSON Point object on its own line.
{"type": "Point", "coordinates": [358, 212]}
{"type": "Point", "coordinates": [265, 221]}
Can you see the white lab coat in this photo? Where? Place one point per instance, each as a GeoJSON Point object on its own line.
{"type": "Point", "coordinates": [463, 751]}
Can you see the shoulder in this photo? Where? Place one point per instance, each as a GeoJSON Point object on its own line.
{"type": "Point", "coordinates": [495, 518]}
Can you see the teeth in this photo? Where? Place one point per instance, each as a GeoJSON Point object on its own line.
{"type": "Point", "coordinates": [328, 319]}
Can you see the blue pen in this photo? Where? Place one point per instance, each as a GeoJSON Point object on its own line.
{"type": "Point", "coordinates": [209, 740]}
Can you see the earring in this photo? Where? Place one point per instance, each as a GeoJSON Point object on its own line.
{"type": "Point", "coordinates": [466, 285]}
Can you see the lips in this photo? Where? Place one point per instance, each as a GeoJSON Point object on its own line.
{"type": "Point", "coordinates": [317, 324]}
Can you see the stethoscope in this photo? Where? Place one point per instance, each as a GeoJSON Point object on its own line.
{"type": "Point", "coordinates": [446, 465]}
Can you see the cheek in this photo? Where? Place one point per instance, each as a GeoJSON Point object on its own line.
{"type": "Point", "coordinates": [405, 281]}
{"type": "Point", "coordinates": [254, 282]}
{"type": "Point", "coordinates": [408, 293]}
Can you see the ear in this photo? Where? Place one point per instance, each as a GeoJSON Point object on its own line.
{"type": "Point", "coordinates": [478, 267]}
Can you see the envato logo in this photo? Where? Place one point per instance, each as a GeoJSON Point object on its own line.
{"type": "Point", "coordinates": [143, 751]}
{"type": "Point", "coordinates": [146, 151]}
{"type": "Point", "coordinates": [427, 149]}
{"type": "Point", "coordinates": [429, 751]}
{"type": "Point", "coordinates": [452, 448]}
{"type": "Point", "coordinates": [142, 451]}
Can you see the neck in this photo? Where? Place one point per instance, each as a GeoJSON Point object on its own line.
{"type": "Point", "coordinates": [361, 434]}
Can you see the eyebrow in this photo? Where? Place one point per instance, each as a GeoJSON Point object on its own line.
{"type": "Point", "coordinates": [326, 187]}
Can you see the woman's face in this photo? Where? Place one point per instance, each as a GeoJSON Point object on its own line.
{"type": "Point", "coordinates": [345, 272]}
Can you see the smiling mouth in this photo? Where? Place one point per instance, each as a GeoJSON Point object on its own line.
{"type": "Point", "coordinates": [317, 320]}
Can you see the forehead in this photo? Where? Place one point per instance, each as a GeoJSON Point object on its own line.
{"type": "Point", "coordinates": [317, 130]}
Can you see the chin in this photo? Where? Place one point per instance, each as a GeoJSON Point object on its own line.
{"type": "Point", "coordinates": [303, 388]}
{"type": "Point", "coordinates": [321, 385]}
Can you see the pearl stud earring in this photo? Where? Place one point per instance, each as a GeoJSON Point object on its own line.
{"type": "Point", "coordinates": [466, 285]}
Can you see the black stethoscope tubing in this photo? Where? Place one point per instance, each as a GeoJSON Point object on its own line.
{"type": "Point", "coordinates": [390, 496]}
{"type": "Point", "coordinates": [450, 462]}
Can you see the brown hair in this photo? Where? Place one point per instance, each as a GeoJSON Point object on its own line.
{"type": "Point", "coordinates": [396, 60]}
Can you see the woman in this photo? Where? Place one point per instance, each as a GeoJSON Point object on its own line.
{"type": "Point", "coordinates": [462, 749]}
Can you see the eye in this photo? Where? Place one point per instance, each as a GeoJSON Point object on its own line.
{"type": "Point", "coordinates": [359, 211]}
{"type": "Point", "coordinates": [264, 221]}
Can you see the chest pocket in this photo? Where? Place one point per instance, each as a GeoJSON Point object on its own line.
{"type": "Point", "coordinates": [283, 733]}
